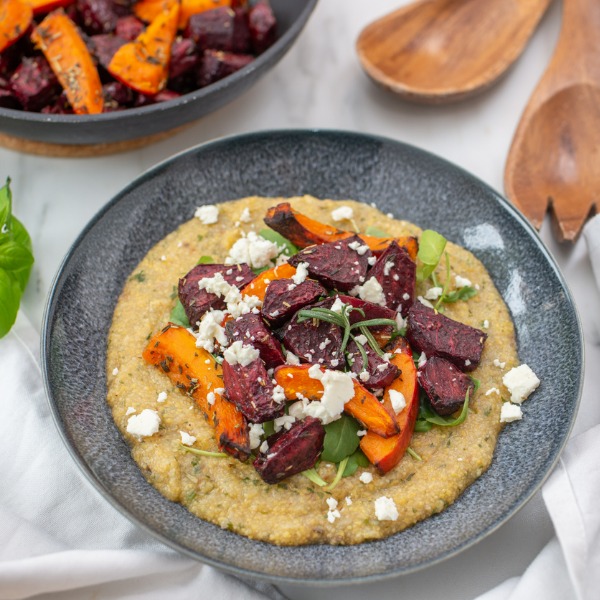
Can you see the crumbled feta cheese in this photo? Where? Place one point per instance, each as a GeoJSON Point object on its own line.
{"type": "Point", "coordinates": [348, 501]}
{"type": "Point", "coordinates": [467, 362]}
{"type": "Point", "coordinates": [366, 477]}
{"type": "Point", "coordinates": [371, 260]}
{"type": "Point", "coordinates": [210, 330]}
{"type": "Point", "coordinates": [130, 411]}
{"type": "Point", "coordinates": [364, 376]}
{"type": "Point", "coordinates": [520, 382]}
{"type": "Point", "coordinates": [264, 447]}
{"type": "Point", "coordinates": [385, 509]}
{"type": "Point", "coordinates": [284, 422]}
{"type": "Point", "coordinates": [187, 439]}
{"type": "Point", "coordinates": [145, 424]}
{"type": "Point", "coordinates": [220, 391]}
{"type": "Point", "coordinates": [499, 364]}
{"type": "Point", "coordinates": [210, 398]}
{"type": "Point", "coordinates": [208, 214]}
{"type": "Point", "coordinates": [162, 396]}
{"type": "Point", "coordinates": [245, 216]}
{"type": "Point", "coordinates": [253, 250]}
{"type": "Point", "coordinates": [424, 302]}
{"type": "Point", "coordinates": [324, 344]}
{"type": "Point", "coordinates": [332, 503]}
{"type": "Point", "coordinates": [361, 339]}
{"type": "Point", "coordinates": [343, 213]}
{"type": "Point", "coordinates": [359, 248]}
{"type": "Point", "coordinates": [434, 293]}
{"type": "Point", "coordinates": [400, 322]}
{"type": "Point", "coordinates": [255, 431]}
{"type": "Point", "coordinates": [361, 432]}
{"type": "Point", "coordinates": [406, 296]}
{"type": "Point", "coordinates": [371, 291]}
{"type": "Point", "coordinates": [389, 265]}
{"type": "Point", "coordinates": [422, 360]}
{"type": "Point", "coordinates": [510, 412]}
{"type": "Point", "coordinates": [115, 371]}
{"type": "Point", "coordinates": [301, 273]}
{"type": "Point", "coordinates": [239, 354]}
{"type": "Point", "coordinates": [486, 324]}
{"type": "Point", "coordinates": [163, 258]}
{"type": "Point", "coordinates": [398, 400]}
{"type": "Point", "coordinates": [337, 305]}
{"type": "Point", "coordinates": [291, 359]}
{"type": "Point", "coordinates": [462, 282]}
{"type": "Point", "coordinates": [278, 394]}
{"type": "Point", "coordinates": [492, 391]}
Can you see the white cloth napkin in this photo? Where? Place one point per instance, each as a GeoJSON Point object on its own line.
{"type": "Point", "coordinates": [59, 538]}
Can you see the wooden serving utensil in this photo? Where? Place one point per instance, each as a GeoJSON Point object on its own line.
{"type": "Point", "coordinates": [438, 51]}
{"type": "Point", "coordinates": [555, 154]}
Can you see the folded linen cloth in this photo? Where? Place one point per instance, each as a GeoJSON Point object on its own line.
{"type": "Point", "coordinates": [59, 538]}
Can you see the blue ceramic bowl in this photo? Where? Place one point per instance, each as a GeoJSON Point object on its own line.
{"type": "Point", "coordinates": [411, 184]}
{"type": "Point", "coordinates": [146, 121]}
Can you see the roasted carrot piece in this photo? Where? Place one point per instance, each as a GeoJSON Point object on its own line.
{"type": "Point", "coordinates": [258, 286]}
{"type": "Point", "coordinates": [364, 406]}
{"type": "Point", "coordinates": [143, 64]}
{"type": "Point", "coordinates": [303, 231]}
{"type": "Point", "coordinates": [15, 18]}
{"type": "Point", "coordinates": [386, 453]}
{"type": "Point", "coordinates": [44, 6]}
{"type": "Point", "coordinates": [68, 56]}
{"type": "Point", "coordinates": [195, 372]}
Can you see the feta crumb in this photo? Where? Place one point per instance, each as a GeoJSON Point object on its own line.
{"type": "Point", "coordinates": [462, 282]}
{"type": "Point", "coordinates": [337, 305]}
{"type": "Point", "coordinates": [406, 296]}
{"type": "Point", "coordinates": [264, 447]}
{"type": "Point", "coordinates": [291, 359]}
{"type": "Point", "coordinates": [161, 397]}
{"type": "Point", "coordinates": [210, 330]}
{"type": "Point", "coordinates": [467, 363]}
{"type": "Point", "coordinates": [371, 291]}
{"type": "Point", "coordinates": [389, 215]}
{"type": "Point", "coordinates": [332, 503]}
{"type": "Point", "coordinates": [422, 360]}
{"type": "Point", "coordinates": [324, 344]}
{"type": "Point", "coordinates": [361, 339]}
{"type": "Point", "coordinates": [245, 216]}
{"type": "Point", "coordinates": [361, 432]}
{"type": "Point", "coordinates": [486, 324]}
{"type": "Point", "coordinates": [130, 411]}
{"type": "Point", "coordinates": [364, 376]}
{"type": "Point", "coordinates": [145, 424]}
{"type": "Point", "coordinates": [115, 371]}
{"type": "Point", "coordinates": [520, 381]}
{"type": "Point", "coordinates": [400, 321]}
{"type": "Point", "coordinates": [163, 258]}
{"type": "Point", "coordinates": [210, 398]}
{"type": "Point", "coordinates": [332, 515]}
{"type": "Point", "coordinates": [208, 214]}
{"type": "Point", "coordinates": [338, 388]}
{"type": "Point", "coordinates": [389, 265]}
{"type": "Point", "coordinates": [385, 509]}
{"type": "Point", "coordinates": [187, 439]}
{"type": "Point", "coordinates": [499, 364]}
{"type": "Point", "coordinates": [253, 250]}
{"type": "Point", "coordinates": [510, 412]}
{"type": "Point", "coordinates": [348, 501]}
{"type": "Point", "coordinates": [301, 273]}
{"type": "Point", "coordinates": [284, 422]}
{"type": "Point", "coordinates": [492, 391]}
{"type": "Point", "coordinates": [278, 394]}
{"type": "Point", "coordinates": [343, 213]}
{"type": "Point", "coordinates": [434, 293]}
{"type": "Point", "coordinates": [398, 400]}
{"type": "Point", "coordinates": [239, 354]}
{"type": "Point", "coordinates": [366, 477]}
{"type": "Point", "coordinates": [255, 431]}
{"type": "Point", "coordinates": [371, 260]}
{"type": "Point", "coordinates": [424, 302]}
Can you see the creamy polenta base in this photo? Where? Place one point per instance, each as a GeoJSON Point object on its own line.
{"type": "Point", "coordinates": [230, 493]}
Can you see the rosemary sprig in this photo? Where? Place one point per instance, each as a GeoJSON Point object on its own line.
{"type": "Point", "coordinates": [203, 452]}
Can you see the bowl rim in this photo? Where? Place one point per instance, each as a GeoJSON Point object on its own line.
{"type": "Point", "coordinates": [241, 571]}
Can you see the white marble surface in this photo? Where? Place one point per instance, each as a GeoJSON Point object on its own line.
{"type": "Point", "coordinates": [320, 84]}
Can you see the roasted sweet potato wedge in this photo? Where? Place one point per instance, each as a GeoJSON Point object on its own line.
{"type": "Point", "coordinates": [364, 406]}
{"type": "Point", "coordinates": [196, 373]}
{"type": "Point", "coordinates": [15, 19]}
{"type": "Point", "coordinates": [258, 286]}
{"type": "Point", "coordinates": [386, 453]}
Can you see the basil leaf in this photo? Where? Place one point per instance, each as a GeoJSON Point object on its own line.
{"type": "Point", "coordinates": [358, 459]}
{"type": "Point", "coordinates": [13, 256]}
{"type": "Point", "coordinates": [431, 248]}
{"type": "Point", "coordinates": [376, 232]}
{"type": "Point", "coordinates": [277, 238]}
{"type": "Point", "coordinates": [10, 297]}
{"type": "Point", "coordinates": [5, 209]}
{"type": "Point", "coordinates": [20, 236]}
{"type": "Point", "coordinates": [178, 316]}
{"type": "Point", "coordinates": [340, 439]}
{"type": "Point", "coordinates": [205, 260]}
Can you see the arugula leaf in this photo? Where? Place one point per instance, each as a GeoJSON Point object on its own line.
{"type": "Point", "coordinates": [205, 260]}
{"type": "Point", "coordinates": [358, 459]}
{"type": "Point", "coordinates": [340, 439]}
{"type": "Point", "coordinates": [376, 232]}
{"type": "Point", "coordinates": [431, 248]}
{"type": "Point", "coordinates": [277, 238]}
{"type": "Point", "coordinates": [178, 315]}
{"type": "Point", "coordinates": [463, 293]}
{"type": "Point", "coordinates": [16, 260]}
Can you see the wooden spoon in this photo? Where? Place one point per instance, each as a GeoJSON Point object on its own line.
{"type": "Point", "coordinates": [555, 154]}
{"type": "Point", "coordinates": [438, 51]}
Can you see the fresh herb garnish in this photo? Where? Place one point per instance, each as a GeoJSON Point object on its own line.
{"type": "Point", "coordinates": [414, 454]}
{"type": "Point", "coordinates": [376, 232]}
{"type": "Point", "coordinates": [205, 260]}
{"type": "Point", "coordinates": [203, 452]}
{"type": "Point", "coordinates": [463, 293]}
{"type": "Point", "coordinates": [140, 277]}
{"type": "Point", "coordinates": [338, 476]}
{"type": "Point", "coordinates": [178, 316]}
{"type": "Point", "coordinates": [431, 248]}
{"type": "Point", "coordinates": [341, 439]}
{"type": "Point", "coordinates": [428, 417]}
{"type": "Point", "coordinates": [272, 236]}
{"type": "Point", "coordinates": [16, 260]}
{"type": "Point", "coordinates": [314, 477]}
{"type": "Point", "coordinates": [358, 459]}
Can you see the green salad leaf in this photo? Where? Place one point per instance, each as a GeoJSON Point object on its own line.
{"type": "Point", "coordinates": [16, 261]}
{"type": "Point", "coordinates": [340, 439]}
{"type": "Point", "coordinates": [431, 248]}
{"type": "Point", "coordinates": [376, 232]}
{"type": "Point", "coordinates": [358, 459]}
{"type": "Point", "coordinates": [277, 238]}
{"type": "Point", "coordinates": [178, 316]}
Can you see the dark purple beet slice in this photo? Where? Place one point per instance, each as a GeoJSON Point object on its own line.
{"type": "Point", "coordinates": [337, 265]}
{"type": "Point", "coordinates": [104, 46]}
{"type": "Point", "coordinates": [196, 301]}
{"type": "Point", "coordinates": [437, 335]}
{"type": "Point", "coordinates": [215, 65]}
{"type": "Point", "coordinates": [241, 31]}
{"type": "Point", "coordinates": [117, 95]}
{"type": "Point", "coordinates": [281, 302]}
{"type": "Point", "coordinates": [396, 272]}
{"type": "Point", "coordinates": [381, 373]}
{"type": "Point", "coordinates": [60, 106]}
{"type": "Point", "coordinates": [129, 27]}
{"type": "Point", "coordinates": [251, 390]}
{"type": "Point", "coordinates": [445, 385]}
{"type": "Point", "coordinates": [252, 331]}
{"type": "Point", "coordinates": [7, 96]}
{"type": "Point", "coordinates": [9, 59]}
{"type": "Point", "coordinates": [162, 96]}
{"type": "Point", "coordinates": [97, 16]}
{"type": "Point", "coordinates": [212, 29]}
{"type": "Point", "coordinates": [372, 311]}
{"type": "Point", "coordinates": [184, 58]}
{"type": "Point", "coordinates": [34, 84]}
{"type": "Point", "coordinates": [291, 452]}
{"type": "Point", "coordinates": [315, 341]}
{"type": "Point", "coordinates": [263, 27]}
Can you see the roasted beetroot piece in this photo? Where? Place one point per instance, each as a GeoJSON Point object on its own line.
{"type": "Point", "coordinates": [7, 97]}
{"type": "Point", "coordinates": [291, 452]}
{"type": "Point", "coordinates": [104, 46]}
{"type": "Point", "coordinates": [251, 390]}
{"type": "Point", "coordinates": [284, 298]}
{"type": "Point", "coordinates": [97, 16]}
{"type": "Point", "coordinates": [445, 385]}
{"type": "Point", "coordinates": [262, 27]}
{"type": "Point", "coordinates": [196, 301]}
{"type": "Point", "coordinates": [215, 65]}
{"type": "Point", "coordinates": [117, 95]}
{"type": "Point", "coordinates": [129, 27]}
{"type": "Point", "coordinates": [34, 84]}
{"type": "Point", "coordinates": [241, 31]}
{"type": "Point", "coordinates": [251, 330]}
{"type": "Point", "coordinates": [396, 272]}
{"type": "Point", "coordinates": [60, 106]}
{"type": "Point", "coordinates": [162, 96]}
{"type": "Point", "coordinates": [184, 58]}
{"type": "Point", "coordinates": [315, 341]}
{"type": "Point", "coordinates": [437, 335]}
{"type": "Point", "coordinates": [372, 311]}
{"type": "Point", "coordinates": [9, 60]}
{"type": "Point", "coordinates": [212, 29]}
{"type": "Point", "coordinates": [339, 265]}
{"type": "Point", "coordinates": [377, 373]}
